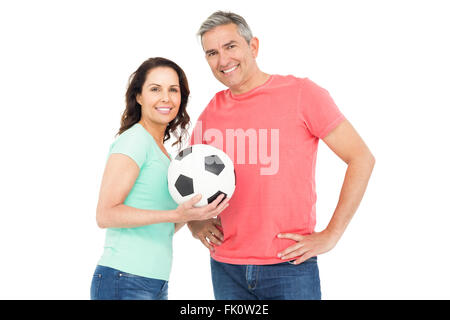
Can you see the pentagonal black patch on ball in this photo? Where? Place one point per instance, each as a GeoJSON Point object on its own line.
{"type": "Point", "coordinates": [183, 153]}
{"type": "Point", "coordinates": [214, 196]}
{"type": "Point", "coordinates": [214, 165]}
{"type": "Point", "coordinates": [184, 185]}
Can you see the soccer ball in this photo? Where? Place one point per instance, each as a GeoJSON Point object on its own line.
{"type": "Point", "coordinates": [201, 169]}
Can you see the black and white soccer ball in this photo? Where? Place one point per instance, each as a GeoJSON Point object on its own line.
{"type": "Point", "coordinates": [201, 169]}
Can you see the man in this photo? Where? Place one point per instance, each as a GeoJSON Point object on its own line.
{"type": "Point", "coordinates": [264, 245]}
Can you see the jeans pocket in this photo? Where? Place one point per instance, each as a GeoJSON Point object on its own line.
{"type": "Point", "coordinates": [95, 285]}
{"type": "Point", "coordinates": [129, 275]}
{"type": "Point", "coordinates": [310, 260]}
{"type": "Point", "coordinates": [135, 287]}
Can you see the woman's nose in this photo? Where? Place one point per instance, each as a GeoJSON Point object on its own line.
{"type": "Point", "coordinates": [165, 96]}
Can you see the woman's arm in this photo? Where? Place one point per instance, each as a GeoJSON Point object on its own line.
{"type": "Point", "coordinates": [119, 177]}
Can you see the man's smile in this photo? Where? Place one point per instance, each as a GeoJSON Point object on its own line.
{"type": "Point", "coordinates": [227, 71]}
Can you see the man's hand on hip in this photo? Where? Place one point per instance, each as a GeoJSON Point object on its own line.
{"type": "Point", "coordinates": [307, 246]}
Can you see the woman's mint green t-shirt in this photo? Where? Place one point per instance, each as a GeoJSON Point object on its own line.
{"type": "Point", "coordinates": [147, 250]}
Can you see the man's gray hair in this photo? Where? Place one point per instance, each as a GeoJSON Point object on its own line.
{"type": "Point", "coordinates": [220, 18]}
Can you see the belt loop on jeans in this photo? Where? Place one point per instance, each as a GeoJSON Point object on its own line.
{"type": "Point", "coordinates": [251, 275]}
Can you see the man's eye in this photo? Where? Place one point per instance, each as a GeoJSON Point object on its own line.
{"type": "Point", "coordinates": [210, 54]}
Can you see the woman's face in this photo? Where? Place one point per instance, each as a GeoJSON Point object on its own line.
{"type": "Point", "coordinates": [160, 97]}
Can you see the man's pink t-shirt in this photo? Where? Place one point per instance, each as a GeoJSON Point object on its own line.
{"type": "Point", "coordinates": [271, 133]}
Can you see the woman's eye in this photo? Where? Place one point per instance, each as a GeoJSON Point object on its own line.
{"type": "Point", "coordinates": [154, 89]}
{"type": "Point", "coordinates": [174, 90]}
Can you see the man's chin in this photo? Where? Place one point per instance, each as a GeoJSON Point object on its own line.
{"type": "Point", "coordinates": [227, 83]}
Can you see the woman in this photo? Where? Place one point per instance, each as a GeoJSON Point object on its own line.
{"type": "Point", "coordinates": [134, 201]}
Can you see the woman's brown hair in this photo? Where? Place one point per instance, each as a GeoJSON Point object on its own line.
{"type": "Point", "coordinates": [132, 112]}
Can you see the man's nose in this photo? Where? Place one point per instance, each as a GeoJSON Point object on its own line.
{"type": "Point", "coordinates": [224, 60]}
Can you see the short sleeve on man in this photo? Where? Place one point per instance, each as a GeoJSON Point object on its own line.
{"type": "Point", "coordinates": [317, 109]}
{"type": "Point", "coordinates": [132, 143]}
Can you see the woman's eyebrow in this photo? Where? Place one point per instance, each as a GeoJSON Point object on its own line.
{"type": "Point", "coordinates": [156, 84]}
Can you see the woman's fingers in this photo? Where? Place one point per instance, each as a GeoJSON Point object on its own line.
{"type": "Point", "coordinates": [194, 200]}
{"type": "Point", "coordinates": [220, 208]}
{"type": "Point", "coordinates": [214, 204]}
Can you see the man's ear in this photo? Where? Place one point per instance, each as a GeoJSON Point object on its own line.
{"type": "Point", "coordinates": [254, 46]}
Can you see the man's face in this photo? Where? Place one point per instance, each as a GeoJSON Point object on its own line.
{"type": "Point", "coordinates": [230, 57]}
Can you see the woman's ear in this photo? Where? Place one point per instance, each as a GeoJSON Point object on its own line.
{"type": "Point", "coordinates": [138, 99]}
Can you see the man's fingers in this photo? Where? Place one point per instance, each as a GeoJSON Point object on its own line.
{"type": "Point", "coordinates": [208, 234]}
{"type": "Point", "coordinates": [206, 243]}
{"type": "Point", "coordinates": [292, 236]}
{"type": "Point", "coordinates": [216, 232]}
{"type": "Point", "coordinates": [213, 238]}
{"type": "Point", "coordinates": [304, 257]}
{"type": "Point", "coordinates": [217, 222]}
{"type": "Point", "coordinates": [294, 254]}
{"type": "Point", "coordinates": [288, 253]}
{"type": "Point", "coordinates": [294, 250]}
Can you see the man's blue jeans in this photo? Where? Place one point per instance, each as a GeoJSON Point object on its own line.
{"type": "Point", "coordinates": [111, 284]}
{"type": "Point", "coordinates": [284, 281]}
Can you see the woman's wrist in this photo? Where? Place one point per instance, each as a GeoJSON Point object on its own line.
{"type": "Point", "coordinates": [174, 216]}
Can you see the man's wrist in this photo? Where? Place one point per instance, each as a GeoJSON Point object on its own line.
{"type": "Point", "coordinates": [334, 233]}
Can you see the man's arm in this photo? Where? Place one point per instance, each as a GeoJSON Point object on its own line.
{"type": "Point", "coordinates": [207, 232]}
{"type": "Point", "coordinates": [347, 145]}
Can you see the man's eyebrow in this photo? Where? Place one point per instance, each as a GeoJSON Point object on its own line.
{"type": "Point", "coordinates": [210, 51]}
{"type": "Point", "coordinates": [229, 43]}
{"type": "Point", "coordinates": [225, 45]}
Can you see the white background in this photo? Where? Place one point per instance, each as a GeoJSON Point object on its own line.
{"type": "Point", "coordinates": [63, 74]}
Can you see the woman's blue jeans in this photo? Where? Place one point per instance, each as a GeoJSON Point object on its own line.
{"type": "Point", "coordinates": [283, 281]}
{"type": "Point", "coordinates": [111, 284]}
